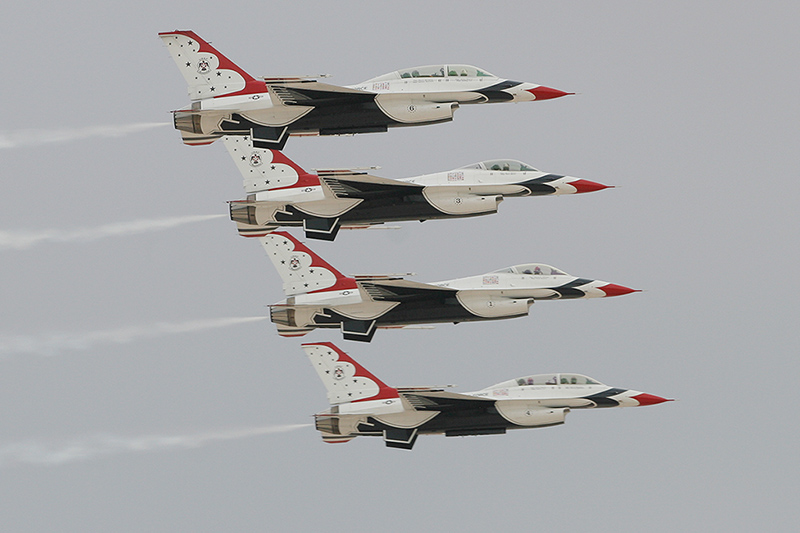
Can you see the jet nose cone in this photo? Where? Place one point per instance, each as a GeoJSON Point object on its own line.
{"type": "Point", "coordinates": [616, 290]}
{"type": "Point", "coordinates": [649, 399]}
{"type": "Point", "coordinates": [588, 186]}
{"type": "Point", "coordinates": [546, 93]}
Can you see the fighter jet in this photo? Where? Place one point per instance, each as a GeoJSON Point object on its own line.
{"type": "Point", "coordinates": [226, 100]}
{"type": "Point", "coordinates": [281, 193]}
{"type": "Point", "coordinates": [319, 296]}
{"type": "Point", "coordinates": [361, 404]}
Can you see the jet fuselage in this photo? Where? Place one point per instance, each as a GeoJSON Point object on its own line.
{"type": "Point", "coordinates": [226, 100]}
{"type": "Point", "coordinates": [363, 405]}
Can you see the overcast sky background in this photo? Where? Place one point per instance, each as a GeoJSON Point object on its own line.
{"type": "Point", "coordinates": [131, 399]}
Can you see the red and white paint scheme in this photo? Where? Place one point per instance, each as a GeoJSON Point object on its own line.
{"type": "Point", "coordinates": [281, 193]}
{"type": "Point", "coordinates": [319, 296]}
{"type": "Point", "coordinates": [228, 100]}
{"type": "Point", "coordinates": [362, 405]}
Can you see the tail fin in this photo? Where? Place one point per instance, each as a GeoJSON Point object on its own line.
{"type": "Point", "coordinates": [345, 379]}
{"type": "Point", "coordinates": [208, 73]}
{"type": "Point", "coordinates": [303, 271]}
{"type": "Point", "coordinates": [270, 170]}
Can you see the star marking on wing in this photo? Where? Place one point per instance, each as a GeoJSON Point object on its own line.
{"type": "Point", "coordinates": [188, 64]}
{"type": "Point", "coordinates": [244, 158]}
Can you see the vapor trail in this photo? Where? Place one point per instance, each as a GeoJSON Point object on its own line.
{"type": "Point", "coordinates": [38, 453]}
{"type": "Point", "coordinates": [55, 343]}
{"type": "Point", "coordinates": [16, 139]}
{"type": "Point", "coordinates": [20, 240]}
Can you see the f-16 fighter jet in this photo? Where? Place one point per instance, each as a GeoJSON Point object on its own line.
{"type": "Point", "coordinates": [361, 404]}
{"type": "Point", "coordinates": [281, 193]}
{"type": "Point", "coordinates": [226, 100]}
{"type": "Point", "coordinates": [319, 296]}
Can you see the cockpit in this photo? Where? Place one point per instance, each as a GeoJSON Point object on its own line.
{"type": "Point", "coordinates": [436, 71]}
{"type": "Point", "coordinates": [532, 269]}
{"type": "Point", "coordinates": [556, 379]}
{"type": "Point", "coordinates": [503, 165]}
{"type": "Point", "coordinates": [547, 379]}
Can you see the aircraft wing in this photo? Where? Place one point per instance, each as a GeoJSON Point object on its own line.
{"type": "Point", "coordinates": [403, 290]}
{"type": "Point", "coordinates": [445, 401]}
{"type": "Point", "coordinates": [319, 94]}
{"type": "Point", "coordinates": [365, 186]}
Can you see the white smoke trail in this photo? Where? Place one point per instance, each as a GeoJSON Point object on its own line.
{"type": "Point", "coordinates": [38, 453]}
{"type": "Point", "coordinates": [20, 240]}
{"type": "Point", "coordinates": [16, 139]}
{"type": "Point", "coordinates": [55, 343]}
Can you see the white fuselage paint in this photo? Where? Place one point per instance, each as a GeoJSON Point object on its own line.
{"type": "Point", "coordinates": [492, 295]}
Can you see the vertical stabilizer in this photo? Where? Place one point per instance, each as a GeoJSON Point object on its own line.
{"type": "Point", "coordinates": [208, 73]}
{"type": "Point", "coordinates": [303, 271]}
{"type": "Point", "coordinates": [264, 169]}
{"type": "Point", "coordinates": [345, 379]}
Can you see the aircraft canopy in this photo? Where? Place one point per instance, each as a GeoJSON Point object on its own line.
{"type": "Point", "coordinates": [532, 269]}
{"type": "Point", "coordinates": [505, 165]}
{"type": "Point", "coordinates": [436, 71]}
{"type": "Point", "coordinates": [546, 379]}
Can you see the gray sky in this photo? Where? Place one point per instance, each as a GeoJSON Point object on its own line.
{"type": "Point", "coordinates": [135, 395]}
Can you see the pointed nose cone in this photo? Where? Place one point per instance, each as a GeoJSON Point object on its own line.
{"type": "Point", "coordinates": [616, 290]}
{"type": "Point", "coordinates": [588, 186]}
{"type": "Point", "coordinates": [649, 399]}
{"type": "Point", "coordinates": [546, 93]}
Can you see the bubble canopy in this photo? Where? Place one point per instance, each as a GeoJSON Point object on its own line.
{"type": "Point", "coordinates": [547, 379]}
{"type": "Point", "coordinates": [532, 269]}
{"type": "Point", "coordinates": [436, 71]}
{"type": "Point", "coordinates": [504, 165]}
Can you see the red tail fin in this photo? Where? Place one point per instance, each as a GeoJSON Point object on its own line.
{"type": "Point", "coordinates": [344, 378]}
{"type": "Point", "coordinates": [303, 271]}
{"type": "Point", "coordinates": [208, 73]}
